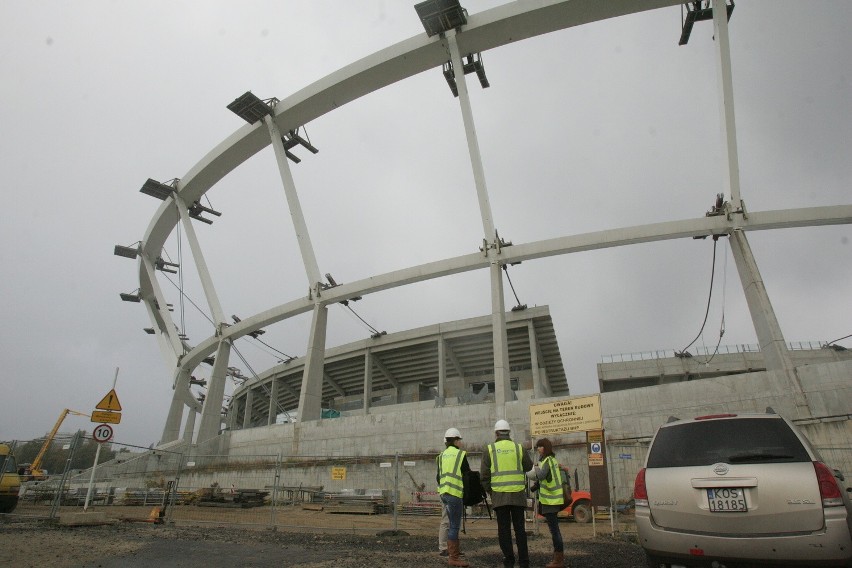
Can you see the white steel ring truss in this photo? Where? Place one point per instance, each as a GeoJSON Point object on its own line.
{"type": "Point", "coordinates": [486, 30]}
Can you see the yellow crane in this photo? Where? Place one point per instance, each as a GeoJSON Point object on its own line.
{"type": "Point", "coordinates": [33, 471]}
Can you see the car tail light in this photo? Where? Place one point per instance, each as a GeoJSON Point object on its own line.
{"type": "Point", "coordinates": [829, 491]}
{"type": "Point", "coordinates": [640, 491]}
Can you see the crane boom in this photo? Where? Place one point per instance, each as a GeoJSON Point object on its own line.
{"type": "Point", "coordinates": [35, 468]}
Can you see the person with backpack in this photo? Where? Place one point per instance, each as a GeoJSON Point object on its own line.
{"type": "Point", "coordinates": [548, 477]}
{"type": "Point", "coordinates": [502, 470]}
{"type": "Point", "coordinates": [452, 466]}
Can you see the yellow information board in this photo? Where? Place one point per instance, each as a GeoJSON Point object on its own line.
{"type": "Point", "coordinates": [106, 417]}
{"type": "Point", "coordinates": [576, 414]}
{"type": "Point", "coordinates": [338, 473]}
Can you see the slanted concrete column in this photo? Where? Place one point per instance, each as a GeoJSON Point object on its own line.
{"type": "Point", "coordinates": [171, 431]}
{"type": "Point", "coordinates": [539, 389]}
{"type": "Point", "coordinates": [189, 429]}
{"type": "Point", "coordinates": [273, 402]}
{"type": "Point", "coordinates": [772, 344]}
{"type": "Point", "coordinates": [502, 387]}
{"type": "Point", "coordinates": [249, 399]}
{"type": "Point", "coordinates": [368, 379]}
{"type": "Point", "coordinates": [310, 398]}
{"type": "Point", "coordinates": [211, 414]}
{"type": "Point", "coordinates": [442, 367]}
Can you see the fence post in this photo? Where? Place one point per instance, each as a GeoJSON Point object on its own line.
{"type": "Point", "coordinates": [275, 483]}
{"type": "Point", "coordinates": [58, 499]}
{"type": "Point", "coordinates": [395, 489]}
{"type": "Point", "coordinates": [173, 492]}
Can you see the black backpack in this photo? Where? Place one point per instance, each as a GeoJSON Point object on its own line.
{"type": "Point", "coordinates": [473, 491]}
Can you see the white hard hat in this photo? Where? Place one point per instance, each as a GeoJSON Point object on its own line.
{"type": "Point", "coordinates": [452, 433]}
{"type": "Point", "coordinates": [501, 425]}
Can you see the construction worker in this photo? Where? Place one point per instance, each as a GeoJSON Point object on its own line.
{"type": "Point", "coordinates": [452, 464]}
{"type": "Point", "coordinates": [549, 480]}
{"type": "Point", "coordinates": [502, 472]}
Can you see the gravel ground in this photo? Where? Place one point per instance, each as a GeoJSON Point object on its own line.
{"type": "Point", "coordinates": [36, 544]}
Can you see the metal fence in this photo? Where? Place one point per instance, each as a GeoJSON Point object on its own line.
{"type": "Point", "coordinates": [309, 493]}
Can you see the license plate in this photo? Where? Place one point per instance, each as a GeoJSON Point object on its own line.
{"type": "Point", "coordinates": [727, 500]}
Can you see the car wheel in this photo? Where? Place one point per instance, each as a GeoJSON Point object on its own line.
{"type": "Point", "coordinates": [654, 561]}
{"type": "Point", "coordinates": [582, 512]}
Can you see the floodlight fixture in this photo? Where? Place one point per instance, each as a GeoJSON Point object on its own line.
{"type": "Point", "coordinates": [378, 334]}
{"type": "Point", "coordinates": [472, 63]}
{"type": "Point", "coordinates": [196, 209]}
{"type": "Point", "coordinates": [159, 190]}
{"type": "Point", "coordinates": [209, 360]}
{"type": "Point", "coordinates": [257, 333]}
{"type": "Point", "coordinates": [440, 16]}
{"type": "Point", "coordinates": [251, 108]}
{"type": "Point", "coordinates": [131, 297]}
{"type": "Point", "coordinates": [149, 330]}
{"type": "Point", "coordinates": [165, 266]}
{"type": "Point", "coordinates": [127, 252]}
{"type": "Point", "coordinates": [199, 382]}
{"type": "Point", "coordinates": [699, 11]}
{"type": "Point", "coordinates": [293, 139]}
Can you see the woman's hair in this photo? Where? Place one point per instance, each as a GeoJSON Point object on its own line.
{"type": "Point", "coordinates": [548, 447]}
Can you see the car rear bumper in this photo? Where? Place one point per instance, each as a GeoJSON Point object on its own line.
{"type": "Point", "coordinates": [831, 546]}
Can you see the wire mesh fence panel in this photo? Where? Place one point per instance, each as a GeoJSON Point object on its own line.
{"type": "Point", "coordinates": [234, 490]}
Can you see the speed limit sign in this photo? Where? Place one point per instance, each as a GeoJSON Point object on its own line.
{"type": "Point", "coordinates": [102, 433]}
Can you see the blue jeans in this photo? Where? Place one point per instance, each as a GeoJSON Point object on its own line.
{"type": "Point", "coordinates": [455, 507]}
{"type": "Point", "coordinates": [555, 534]}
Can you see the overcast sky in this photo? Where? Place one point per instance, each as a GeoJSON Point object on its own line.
{"type": "Point", "coordinates": [608, 125]}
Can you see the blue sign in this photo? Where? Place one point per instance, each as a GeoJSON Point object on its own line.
{"type": "Point", "coordinates": [626, 456]}
{"type": "Point", "coordinates": [596, 447]}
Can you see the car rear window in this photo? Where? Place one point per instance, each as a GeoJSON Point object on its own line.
{"type": "Point", "coordinates": [732, 441]}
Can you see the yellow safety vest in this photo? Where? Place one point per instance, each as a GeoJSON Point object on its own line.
{"type": "Point", "coordinates": [550, 492]}
{"type": "Point", "coordinates": [449, 469]}
{"type": "Point", "coordinates": [507, 470]}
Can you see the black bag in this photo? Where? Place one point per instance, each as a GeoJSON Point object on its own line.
{"type": "Point", "coordinates": [473, 492]}
{"type": "Point", "coordinates": [567, 498]}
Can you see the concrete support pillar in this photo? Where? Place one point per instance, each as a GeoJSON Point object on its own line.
{"type": "Point", "coordinates": [442, 368]}
{"type": "Point", "coordinates": [502, 387]}
{"type": "Point", "coordinates": [211, 414]}
{"type": "Point", "coordinates": [249, 402]}
{"type": "Point", "coordinates": [200, 265]}
{"type": "Point", "coordinates": [539, 389]}
{"type": "Point", "coordinates": [171, 431]}
{"type": "Point", "coordinates": [189, 429]}
{"type": "Point", "coordinates": [726, 95]}
{"type": "Point", "coordinates": [472, 140]}
{"type": "Point", "coordinates": [272, 416]}
{"type": "Point", "coordinates": [310, 398]}
{"type": "Point", "coordinates": [302, 235]}
{"type": "Point", "coordinates": [368, 380]}
{"type": "Point", "coordinates": [772, 344]}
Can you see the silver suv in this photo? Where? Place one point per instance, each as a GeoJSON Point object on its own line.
{"type": "Point", "coordinates": [728, 489]}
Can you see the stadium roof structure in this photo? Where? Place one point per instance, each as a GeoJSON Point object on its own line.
{"type": "Point", "coordinates": [411, 358]}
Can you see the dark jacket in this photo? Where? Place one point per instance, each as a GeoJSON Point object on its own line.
{"type": "Point", "coordinates": [499, 499]}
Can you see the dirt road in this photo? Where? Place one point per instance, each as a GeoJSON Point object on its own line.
{"type": "Point", "coordinates": [125, 545]}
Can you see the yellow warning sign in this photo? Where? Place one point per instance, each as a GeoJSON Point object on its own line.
{"type": "Point", "coordinates": [109, 402]}
{"type": "Point", "coordinates": [338, 473]}
{"type": "Point", "coordinates": [106, 417]}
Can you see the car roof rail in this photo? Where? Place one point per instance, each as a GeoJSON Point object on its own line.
{"type": "Point", "coordinates": [672, 419]}
{"type": "Point", "coordinates": [770, 410]}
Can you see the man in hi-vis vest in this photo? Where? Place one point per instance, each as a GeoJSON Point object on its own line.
{"type": "Point", "coordinates": [502, 471]}
{"type": "Point", "coordinates": [452, 464]}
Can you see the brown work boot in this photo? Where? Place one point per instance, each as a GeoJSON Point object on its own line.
{"type": "Point", "coordinates": [558, 560]}
{"type": "Point", "coordinates": [454, 559]}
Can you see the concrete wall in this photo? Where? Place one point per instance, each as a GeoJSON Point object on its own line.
{"type": "Point", "coordinates": [823, 410]}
